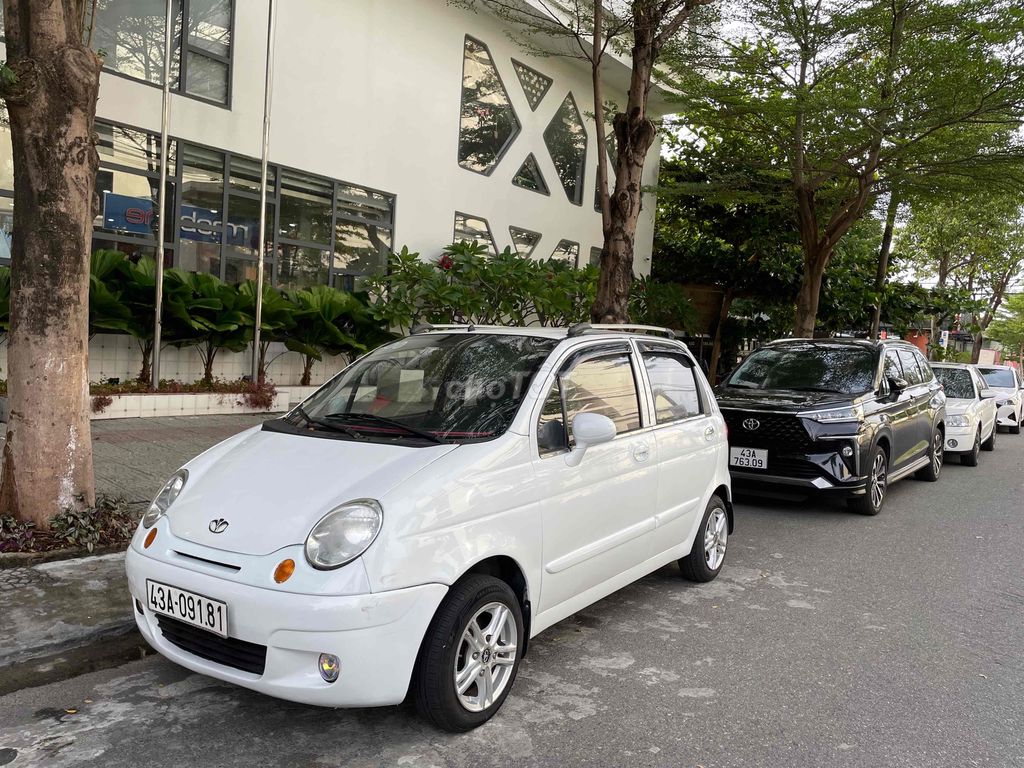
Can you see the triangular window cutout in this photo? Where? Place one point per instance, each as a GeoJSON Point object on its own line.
{"type": "Point", "coordinates": [535, 85]}
{"type": "Point", "coordinates": [529, 176]}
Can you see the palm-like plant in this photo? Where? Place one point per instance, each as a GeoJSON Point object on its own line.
{"type": "Point", "coordinates": [277, 318]}
{"type": "Point", "coordinates": [207, 314]}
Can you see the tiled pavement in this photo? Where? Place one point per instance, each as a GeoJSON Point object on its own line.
{"type": "Point", "coordinates": [133, 457]}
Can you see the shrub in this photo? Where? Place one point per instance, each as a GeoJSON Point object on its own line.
{"type": "Point", "coordinates": [258, 395]}
{"type": "Point", "coordinates": [109, 522]}
{"type": "Point", "coordinates": [100, 403]}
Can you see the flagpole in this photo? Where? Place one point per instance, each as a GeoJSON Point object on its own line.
{"type": "Point", "coordinates": [261, 237]}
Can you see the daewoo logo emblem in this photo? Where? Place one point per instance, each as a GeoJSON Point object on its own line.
{"type": "Point", "coordinates": [219, 525]}
{"type": "Point", "coordinates": [751, 424]}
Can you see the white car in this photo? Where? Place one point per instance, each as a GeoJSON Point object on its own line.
{"type": "Point", "coordinates": [970, 411]}
{"type": "Point", "coordinates": [1005, 381]}
{"type": "Point", "coordinates": [434, 506]}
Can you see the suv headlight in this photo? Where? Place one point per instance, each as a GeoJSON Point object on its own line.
{"type": "Point", "coordinates": [957, 420]}
{"type": "Point", "coordinates": [835, 415]}
{"type": "Point", "coordinates": [165, 498]}
{"type": "Point", "coordinates": [343, 534]}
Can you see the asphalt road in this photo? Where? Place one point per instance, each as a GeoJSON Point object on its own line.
{"type": "Point", "coordinates": [828, 640]}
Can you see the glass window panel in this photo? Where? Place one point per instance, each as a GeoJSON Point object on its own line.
{"type": "Point", "coordinates": [361, 248]}
{"type": "Point", "coordinates": [207, 78]}
{"type": "Point", "coordinates": [301, 267]}
{"type": "Point", "coordinates": [910, 370]}
{"type": "Point", "coordinates": [529, 176]}
{"type": "Point", "coordinates": [306, 204]}
{"type": "Point", "coordinates": [134, 149]}
{"type": "Point", "coordinates": [567, 251]}
{"type": "Point", "coordinates": [603, 385]}
{"type": "Point", "coordinates": [244, 226]}
{"type": "Point", "coordinates": [361, 204]}
{"type": "Point", "coordinates": [474, 229]}
{"type": "Point", "coordinates": [595, 257]}
{"type": "Point", "coordinates": [129, 204]}
{"type": "Point", "coordinates": [488, 122]}
{"type": "Point", "coordinates": [131, 35]}
{"type": "Point", "coordinates": [202, 200]}
{"type": "Point", "coordinates": [209, 26]}
{"type": "Point", "coordinates": [245, 175]}
{"type": "Point", "coordinates": [199, 256]}
{"type": "Point", "coordinates": [6, 151]}
{"type": "Point", "coordinates": [566, 140]}
{"type": "Point", "coordinates": [551, 433]}
{"type": "Point", "coordinates": [524, 241]}
{"type": "Point", "coordinates": [6, 226]}
{"type": "Point", "coordinates": [535, 85]}
{"type": "Point", "coordinates": [239, 269]}
{"type": "Point", "coordinates": [673, 386]}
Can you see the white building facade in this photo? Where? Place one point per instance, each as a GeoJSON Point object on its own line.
{"type": "Point", "coordinates": [393, 123]}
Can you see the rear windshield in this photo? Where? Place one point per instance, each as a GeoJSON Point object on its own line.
{"type": "Point", "coordinates": [456, 387]}
{"type": "Point", "coordinates": [957, 382]}
{"type": "Point", "coordinates": [842, 368]}
{"type": "Point", "coordinates": [998, 377]}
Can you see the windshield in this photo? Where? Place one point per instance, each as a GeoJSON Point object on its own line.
{"type": "Point", "coordinates": [998, 377]}
{"type": "Point", "coordinates": [430, 388]}
{"type": "Point", "coordinates": [956, 382]}
{"type": "Point", "coordinates": [842, 368]}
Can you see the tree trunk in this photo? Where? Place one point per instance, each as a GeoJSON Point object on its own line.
{"type": "Point", "coordinates": [261, 363]}
{"type": "Point", "coordinates": [51, 99]}
{"type": "Point", "coordinates": [209, 355]}
{"type": "Point", "coordinates": [979, 340]}
{"type": "Point", "coordinates": [716, 346]}
{"type": "Point", "coordinates": [810, 293]}
{"type": "Point", "coordinates": [883, 262]}
{"type": "Point", "coordinates": [307, 370]}
{"type": "Point", "coordinates": [146, 374]}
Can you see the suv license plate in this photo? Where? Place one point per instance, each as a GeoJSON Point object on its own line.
{"type": "Point", "coordinates": [199, 611]}
{"type": "Point", "coordinates": [749, 458]}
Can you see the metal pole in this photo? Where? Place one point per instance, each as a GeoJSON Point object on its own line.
{"type": "Point", "coordinates": [161, 200]}
{"type": "Point", "coordinates": [261, 238]}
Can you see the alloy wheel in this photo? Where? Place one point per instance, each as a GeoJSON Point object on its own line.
{"type": "Point", "coordinates": [716, 535]}
{"type": "Point", "coordinates": [937, 454]}
{"type": "Point", "coordinates": [879, 479]}
{"type": "Point", "coordinates": [486, 657]}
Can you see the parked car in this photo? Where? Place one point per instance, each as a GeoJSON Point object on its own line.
{"type": "Point", "coordinates": [840, 416]}
{"type": "Point", "coordinates": [970, 411]}
{"type": "Point", "coordinates": [412, 524]}
{"type": "Point", "coordinates": [1005, 381]}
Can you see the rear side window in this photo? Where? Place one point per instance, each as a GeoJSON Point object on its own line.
{"type": "Point", "coordinates": [673, 386]}
{"type": "Point", "coordinates": [893, 369]}
{"type": "Point", "coordinates": [910, 370]}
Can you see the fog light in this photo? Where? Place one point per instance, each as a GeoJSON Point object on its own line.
{"type": "Point", "coordinates": [330, 667]}
{"type": "Point", "coordinates": [847, 451]}
{"type": "Point", "coordinates": [284, 571]}
{"type": "Point", "coordinates": [149, 538]}
{"type": "Point", "coordinates": [951, 443]}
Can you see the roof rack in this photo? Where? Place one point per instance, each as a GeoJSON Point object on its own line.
{"type": "Point", "coordinates": [467, 327]}
{"type": "Point", "coordinates": [581, 329]}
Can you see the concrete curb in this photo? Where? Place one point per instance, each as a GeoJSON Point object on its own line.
{"type": "Point", "coordinates": [27, 559]}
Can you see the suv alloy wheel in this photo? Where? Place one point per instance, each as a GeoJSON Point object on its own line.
{"type": "Point", "coordinates": [878, 483]}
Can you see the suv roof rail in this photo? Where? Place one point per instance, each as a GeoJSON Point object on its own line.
{"type": "Point", "coordinates": [583, 328]}
{"type": "Point", "coordinates": [467, 327]}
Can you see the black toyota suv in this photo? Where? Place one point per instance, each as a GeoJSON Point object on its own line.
{"type": "Point", "coordinates": [843, 416]}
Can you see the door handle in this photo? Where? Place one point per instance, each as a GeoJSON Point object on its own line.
{"type": "Point", "coordinates": [641, 452]}
{"type": "Point", "coordinates": [709, 433]}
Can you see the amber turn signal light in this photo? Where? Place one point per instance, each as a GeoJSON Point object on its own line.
{"type": "Point", "coordinates": [150, 537]}
{"type": "Point", "coordinates": [284, 571]}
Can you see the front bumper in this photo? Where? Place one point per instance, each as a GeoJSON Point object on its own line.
{"type": "Point", "coordinates": [1007, 415]}
{"type": "Point", "coordinates": [960, 439]}
{"type": "Point", "coordinates": [376, 636]}
{"type": "Point", "coordinates": [805, 473]}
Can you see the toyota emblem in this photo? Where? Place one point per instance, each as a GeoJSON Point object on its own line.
{"type": "Point", "coordinates": [748, 424]}
{"type": "Point", "coordinates": [219, 525]}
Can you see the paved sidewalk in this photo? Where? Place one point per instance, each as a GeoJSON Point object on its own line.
{"type": "Point", "coordinates": [63, 617]}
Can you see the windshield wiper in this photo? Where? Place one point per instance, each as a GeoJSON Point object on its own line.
{"type": "Point", "coordinates": [816, 389]}
{"type": "Point", "coordinates": [327, 425]}
{"type": "Point", "coordinates": [374, 418]}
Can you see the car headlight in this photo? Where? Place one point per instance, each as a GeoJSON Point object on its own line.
{"type": "Point", "coordinates": [165, 498]}
{"type": "Point", "coordinates": [343, 534]}
{"type": "Point", "coordinates": [957, 420]}
{"type": "Point", "coordinates": [835, 415]}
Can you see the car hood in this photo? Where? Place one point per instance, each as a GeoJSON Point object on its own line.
{"type": "Point", "coordinates": [273, 487]}
{"type": "Point", "coordinates": [786, 400]}
{"type": "Point", "coordinates": [957, 404]}
{"type": "Point", "coordinates": [1004, 393]}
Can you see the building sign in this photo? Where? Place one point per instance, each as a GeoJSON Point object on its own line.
{"type": "Point", "coordinates": [944, 339]}
{"type": "Point", "coordinates": [124, 213]}
{"type": "Point", "coordinates": [203, 225]}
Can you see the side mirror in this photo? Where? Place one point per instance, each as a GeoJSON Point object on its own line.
{"type": "Point", "coordinates": [589, 429]}
{"type": "Point", "coordinates": [897, 385]}
{"type": "Point", "coordinates": [987, 394]}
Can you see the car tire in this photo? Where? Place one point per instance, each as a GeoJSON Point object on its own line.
{"type": "Point", "coordinates": [878, 485]}
{"type": "Point", "coordinates": [936, 453]}
{"type": "Point", "coordinates": [971, 459]}
{"type": "Point", "coordinates": [451, 647]}
{"type": "Point", "coordinates": [990, 443]}
{"type": "Point", "coordinates": [707, 555]}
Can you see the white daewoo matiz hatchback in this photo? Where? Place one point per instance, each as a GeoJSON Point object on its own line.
{"type": "Point", "coordinates": [411, 525]}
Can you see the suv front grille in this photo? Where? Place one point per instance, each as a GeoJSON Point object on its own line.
{"type": "Point", "coordinates": [777, 431]}
{"type": "Point", "coordinates": [229, 651]}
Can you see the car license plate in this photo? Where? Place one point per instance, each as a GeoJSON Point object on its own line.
{"type": "Point", "coordinates": [199, 611]}
{"type": "Point", "coordinates": [750, 458]}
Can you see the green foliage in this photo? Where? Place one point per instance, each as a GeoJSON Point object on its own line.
{"type": "Point", "coordinates": [1008, 327]}
{"type": "Point", "coordinates": [110, 522]}
{"type": "Point", "coordinates": [664, 304]}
